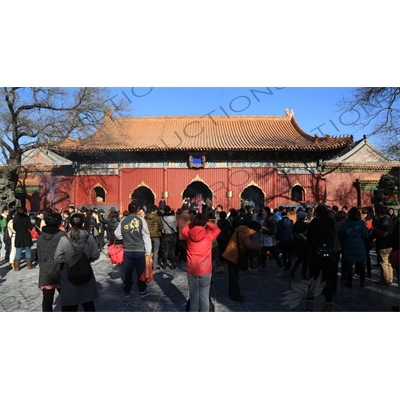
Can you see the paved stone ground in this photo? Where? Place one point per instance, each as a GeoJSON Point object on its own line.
{"type": "Point", "coordinates": [169, 291]}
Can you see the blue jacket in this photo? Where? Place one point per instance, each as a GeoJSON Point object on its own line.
{"type": "Point", "coordinates": [354, 233]}
{"type": "Point", "coordinates": [286, 225]}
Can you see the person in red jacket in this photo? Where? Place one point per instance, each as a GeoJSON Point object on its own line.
{"type": "Point", "coordinates": [199, 236]}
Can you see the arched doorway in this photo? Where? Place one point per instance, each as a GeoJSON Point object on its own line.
{"type": "Point", "coordinates": [254, 194]}
{"type": "Point", "coordinates": [143, 197]}
{"type": "Point", "coordinates": [195, 188]}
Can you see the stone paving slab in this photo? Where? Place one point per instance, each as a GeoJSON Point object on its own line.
{"type": "Point", "coordinates": [169, 291]}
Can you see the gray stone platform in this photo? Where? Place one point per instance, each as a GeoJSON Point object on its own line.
{"type": "Point", "coordinates": [169, 291]}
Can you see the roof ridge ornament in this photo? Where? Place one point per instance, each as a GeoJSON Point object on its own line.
{"type": "Point", "coordinates": [289, 113]}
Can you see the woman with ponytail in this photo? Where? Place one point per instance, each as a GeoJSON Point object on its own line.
{"type": "Point", "coordinates": [72, 295]}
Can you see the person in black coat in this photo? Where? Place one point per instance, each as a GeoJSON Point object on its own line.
{"type": "Point", "coordinates": [225, 226]}
{"type": "Point", "coordinates": [102, 229]}
{"type": "Point", "coordinates": [381, 232]}
{"type": "Point", "coordinates": [234, 220]}
{"type": "Point", "coordinates": [89, 222]}
{"type": "Point", "coordinates": [38, 221]}
{"type": "Point", "coordinates": [23, 241]}
{"type": "Point", "coordinates": [285, 225]}
{"type": "Point", "coordinates": [321, 228]}
{"type": "Point", "coordinates": [300, 245]}
{"type": "Point", "coordinates": [244, 216]}
{"type": "Point", "coordinates": [112, 224]}
{"type": "Point", "coordinates": [49, 270]}
{"type": "Point", "coordinates": [395, 243]}
{"type": "Point", "coordinates": [65, 221]}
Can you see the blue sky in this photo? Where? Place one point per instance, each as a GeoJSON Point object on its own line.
{"type": "Point", "coordinates": [315, 109]}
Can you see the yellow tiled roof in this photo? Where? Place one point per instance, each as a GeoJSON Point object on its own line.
{"type": "Point", "coordinates": [247, 133]}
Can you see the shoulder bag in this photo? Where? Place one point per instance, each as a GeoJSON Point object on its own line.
{"type": "Point", "coordinates": [170, 227]}
{"type": "Point", "coordinates": [243, 261]}
{"type": "Point", "coordinates": [80, 272]}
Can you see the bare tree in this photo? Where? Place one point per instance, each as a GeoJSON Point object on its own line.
{"type": "Point", "coordinates": [34, 117]}
{"type": "Point", "coordinates": [377, 110]}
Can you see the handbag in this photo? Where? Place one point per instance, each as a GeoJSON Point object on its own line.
{"type": "Point", "coordinates": [215, 249]}
{"type": "Point", "coordinates": [116, 253]}
{"type": "Point", "coordinates": [34, 233]}
{"type": "Point", "coordinates": [243, 260]}
{"type": "Point", "coordinates": [147, 275]}
{"type": "Point", "coordinates": [7, 237]}
{"type": "Point", "coordinates": [394, 259]}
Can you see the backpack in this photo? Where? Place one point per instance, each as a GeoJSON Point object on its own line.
{"type": "Point", "coordinates": [81, 271]}
{"type": "Point", "coordinates": [6, 237]}
{"type": "Point", "coordinates": [325, 253]}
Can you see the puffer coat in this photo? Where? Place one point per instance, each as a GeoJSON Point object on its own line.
{"type": "Point", "coordinates": [353, 233]}
{"type": "Point", "coordinates": [199, 246]}
{"type": "Point", "coordinates": [154, 225]}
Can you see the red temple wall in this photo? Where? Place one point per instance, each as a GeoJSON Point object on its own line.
{"type": "Point", "coordinates": [341, 190]}
{"type": "Point", "coordinates": [175, 181]}
{"type": "Point", "coordinates": [60, 191]}
{"type": "Point", "coordinates": [276, 187]}
{"type": "Point", "coordinates": [84, 189]}
{"type": "Point", "coordinates": [56, 192]}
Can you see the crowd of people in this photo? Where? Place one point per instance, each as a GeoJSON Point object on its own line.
{"type": "Point", "coordinates": [318, 239]}
{"type": "Point", "coordinates": [61, 238]}
{"type": "Point", "coordinates": [211, 241]}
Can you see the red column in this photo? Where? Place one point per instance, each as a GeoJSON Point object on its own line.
{"type": "Point", "coordinates": [228, 188]}
{"type": "Point", "coordinates": [120, 189]}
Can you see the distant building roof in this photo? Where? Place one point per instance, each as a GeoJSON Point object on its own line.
{"type": "Point", "coordinates": [361, 154]}
{"type": "Point", "coordinates": [43, 157]}
{"type": "Point", "coordinates": [207, 133]}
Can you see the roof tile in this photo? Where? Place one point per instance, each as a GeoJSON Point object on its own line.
{"type": "Point", "coordinates": [250, 133]}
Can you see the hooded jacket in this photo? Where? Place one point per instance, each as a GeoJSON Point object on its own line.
{"type": "Point", "coordinates": [198, 246]}
{"type": "Point", "coordinates": [354, 233]}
